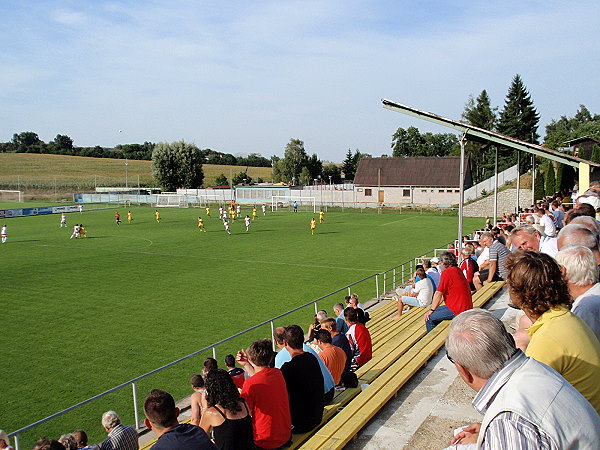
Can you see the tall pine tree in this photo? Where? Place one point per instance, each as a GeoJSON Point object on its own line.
{"type": "Point", "coordinates": [480, 113]}
{"type": "Point", "coordinates": [518, 119]}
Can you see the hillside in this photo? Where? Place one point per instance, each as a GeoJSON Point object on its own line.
{"type": "Point", "coordinates": [37, 172]}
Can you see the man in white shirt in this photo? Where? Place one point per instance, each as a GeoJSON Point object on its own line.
{"type": "Point", "coordinates": [547, 222]}
{"type": "Point", "coordinates": [4, 234]}
{"type": "Point", "coordinates": [528, 238]}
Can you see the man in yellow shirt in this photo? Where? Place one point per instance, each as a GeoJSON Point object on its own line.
{"type": "Point", "coordinates": [558, 337]}
{"type": "Point", "coordinates": [157, 215]}
{"type": "Point", "coordinates": [313, 225]}
{"type": "Point", "coordinates": [207, 211]}
{"type": "Point", "coordinates": [321, 216]}
{"type": "Point", "coordinates": [129, 217]}
{"type": "Point", "coordinates": [201, 224]}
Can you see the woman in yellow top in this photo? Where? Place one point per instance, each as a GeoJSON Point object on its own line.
{"type": "Point", "coordinates": [313, 225]}
{"type": "Point", "coordinates": [558, 337]}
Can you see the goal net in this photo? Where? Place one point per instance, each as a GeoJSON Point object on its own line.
{"type": "Point", "coordinates": [287, 201]}
{"type": "Point", "coordinates": [11, 196]}
{"type": "Point", "coordinates": [172, 201]}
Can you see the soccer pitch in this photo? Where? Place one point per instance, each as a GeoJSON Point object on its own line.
{"type": "Point", "coordinates": [84, 315]}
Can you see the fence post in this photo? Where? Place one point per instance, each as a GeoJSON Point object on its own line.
{"type": "Point", "coordinates": [394, 277]}
{"type": "Point", "coordinates": [316, 307]}
{"type": "Point", "coordinates": [384, 282]}
{"type": "Point", "coordinates": [16, 436]}
{"type": "Point", "coordinates": [135, 406]}
{"type": "Point", "coordinates": [214, 352]}
{"type": "Point", "coordinates": [273, 335]}
{"type": "Point", "coordinates": [377, 285]}
{"type": "Point", "coordinates": [349, 291]}
{"type": "Point", "coordinates": [403, 273]}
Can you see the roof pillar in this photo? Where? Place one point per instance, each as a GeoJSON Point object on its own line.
{"type": "Point", "coordinates": [584, 177]}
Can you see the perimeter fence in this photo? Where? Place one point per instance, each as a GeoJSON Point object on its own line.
{"type": "Point", "coordinates": [169, 376]}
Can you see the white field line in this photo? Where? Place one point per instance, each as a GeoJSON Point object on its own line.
{"type": "Point", "coordinates": [245, 261]}
{"type": "Point", "coordinates": [396, 221]}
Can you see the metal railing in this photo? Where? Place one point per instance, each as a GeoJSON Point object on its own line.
{"type": "Point", "coordinates": [390, 278]}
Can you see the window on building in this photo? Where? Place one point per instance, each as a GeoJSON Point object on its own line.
{"type": "Point", "coordinates": [405, 192]}
{"type": "Point", "coordinates": [423, 191]}
{"type": "Point", "coordinates": [457, 190]}
{"type": "Point", "coordinates": [441, 191]}
{"type": "Point", "coordinates": [368, 192]}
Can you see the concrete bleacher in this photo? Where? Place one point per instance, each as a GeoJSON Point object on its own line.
{"type": "Point", "coordinates": [400, 349]}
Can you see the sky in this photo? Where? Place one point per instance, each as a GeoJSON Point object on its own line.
{"type": "Point", "coordinates": [247, 76]}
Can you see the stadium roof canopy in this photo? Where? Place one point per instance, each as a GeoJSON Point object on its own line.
{"type": "Point", "coordinates": [473, 133]}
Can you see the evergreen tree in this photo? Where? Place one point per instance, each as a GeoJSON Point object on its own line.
{"type": "Point", "coordinates": [596, 154]}
{"type": "Point", "coordinates": [349, 166]}
{"type": "Point", "coordinates": [480, 113]}
{"type": "Point", "coordinates": [550, 178]}
{"type": "Point", "coordinates": [221, 180]}
{"type": "Point", "coordinates": [560, 170]}
{"type": "Point", "coordinates": [539, 192]}
{"type": "Point", "coordinates": [519, 119]}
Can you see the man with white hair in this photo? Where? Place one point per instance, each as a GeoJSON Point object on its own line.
{"type": "Point", "coordinates": [120, 437]}
{"type": "Point", "coordinates": [581, 272]}
{"type": "Point", "coordinates": [527, 237]}
{"type": "Point", "coordinates": [525, 404]}
{"type": "Point", "coordinates": [578, 234]}
{"type": "Point", "coordinates": [588, 222]}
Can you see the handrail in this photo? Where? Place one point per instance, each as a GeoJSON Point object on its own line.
{"type": "Point", "coordinates": [132, 382]}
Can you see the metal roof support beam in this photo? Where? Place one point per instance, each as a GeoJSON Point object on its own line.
{"type": "Point", "coordinates": [461, 194]}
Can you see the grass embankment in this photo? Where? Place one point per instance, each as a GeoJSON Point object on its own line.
{"type": "Point", "coordinates": [34, 172]}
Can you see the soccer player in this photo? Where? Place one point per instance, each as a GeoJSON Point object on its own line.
{"type": "Point", "coordinates": [75, 232]}
{"type": "Point", "coordinates": [254, 212]}
{"type": "Point", "coordinates": [247, 222]}
{"type": "Point", "coordinates": [157, 215]}
{"type": "Point", "coordinates": [63, 220]}
{"type": "Point", "coordinates": [201, 224]}
{"type": "Point", "coordinates": [80, 209]}
{"type": "Point", "coordinates": [82, 231]}
{"type": "Point", "coordinates": [226, 225]}
{"type": "Point", "coordinates": [4, 234]}
{"type": "Point", "coordinates": [129, 217]}
{"type": "Point", "coordinates": [313, 225]}
{"type": "Point", "coordinates": [264, 209]}
{"type": "Point", "coordinates": [220, 212]}
{"type": "Point", "coordinates": [295, 206]}
{"type": "Point", "coordinates": [321, 216]}
{"type": "Point", "coordinates": [238, 210]}
{"type": "Point", "coordinates": [207, 211]}
{"type": "Point", "coordinates": [117, 217]}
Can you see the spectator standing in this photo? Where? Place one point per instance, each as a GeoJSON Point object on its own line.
{"type": "Point", "coordinates": [468, 265]}
{"type": "Point", "coordinates": [236, 373]}
{"type": "Point", "coordinates": [359, 338]}
{"type": "Point", "coordinates": [333, 357]}
{"type": "Point", "coordinates": [161, 417]}
{"type": "Point", "coordinates": [284, 356]}
{"type": "Point", "coordinates": [558, 213]}
{"type": "Point", "coordinates": [581, 273]}
{"type": "Point", "coordinates": [546, 222]}
{"type": "Point", "coordinates": [304, 382]}
{"type": "Point", "coordinates": [453, 290]}
{"type": "Point", "coordinates": [525, 404]}
{"type": "Point", "coordinates": [120, 437]}
{"type": "Point", "coordinates": [227, 414]}
{"type": "Point", "coordinates": [266, 395]}
{"type": "Point", "coordinates": [558, 337]}
{"type": "Point", "coordinates": [338, 310]}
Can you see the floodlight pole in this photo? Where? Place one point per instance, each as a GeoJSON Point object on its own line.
{"type": "Point", "coordinates": [461, 194]}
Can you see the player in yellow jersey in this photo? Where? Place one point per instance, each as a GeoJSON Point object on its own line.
{"type": "Point", "coordinates": [157, 215]}
{"type": "Point", "coordinates": [129, 217]}
{"type": "Point", "coordinates": [201, 224]}
{"type": "Point", "coordinates": [254, 212]}
{"type": "Point", "coordinates": [321, 216]}
{"type": "Point", "coordinates": [207, 211]}
{"type": "Point", "coordinates": [82, 231]}
{"type": "Point", "coordinates": [313, 225]}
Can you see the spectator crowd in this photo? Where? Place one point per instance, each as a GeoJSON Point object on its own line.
{"type": "Point", "coordinates": [537, 388]}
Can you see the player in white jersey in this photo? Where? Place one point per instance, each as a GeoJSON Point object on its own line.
{"type": "Point", "coordinates": [63, 220]}
{"type": "Point", "coordinates": [4, 234]}
{"type": "Point", "coordinates": [238, 210]}
{"type": "Point", "coordinates": [80, 209]}
{"type": "Point", "coordinates": [264, 210]}
{"type": "Point", "coordinates": [247, 221]}
{"type": "Point", "coordinates": [220, 212]}
{"type": "Point", "coordinates": [226, 225]}
{"type": "Point", "coordinates": [75, 232]}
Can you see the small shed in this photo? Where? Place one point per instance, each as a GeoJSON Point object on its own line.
{"type": "Point", "coordinates": [432, 181]}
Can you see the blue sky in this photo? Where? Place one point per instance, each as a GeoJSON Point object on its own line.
{"type": "Point", "coordinates": [241, 76]}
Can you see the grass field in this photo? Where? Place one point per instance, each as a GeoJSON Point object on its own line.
{"type": "Point", "coordinates": [35, 171]}
{"type": "Point", "coordinates": [81, 316]}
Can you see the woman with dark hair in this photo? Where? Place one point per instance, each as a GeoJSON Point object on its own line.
{"type": "Point", "coordinates": [558, 337]}
{"type": "Point", "coordinates": [227, 414]}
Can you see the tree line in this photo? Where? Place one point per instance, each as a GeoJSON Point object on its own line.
{"type": "Point", "coordinates": [30, 142]}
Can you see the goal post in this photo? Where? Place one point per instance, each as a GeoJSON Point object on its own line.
{"type": "Point", "coordinates": [287, 201]}
{"type": "Point", "coordinates": [171, 201]}
{"type": "Point", "coordinates": [11, 196]}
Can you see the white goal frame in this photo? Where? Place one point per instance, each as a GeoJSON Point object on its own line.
{"type": "Point", "coordinates": [286, 201]}
{"type": "Point", "coordinates": [18, 194]}
{"type": "Point", "coordinates": [171, 200]}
